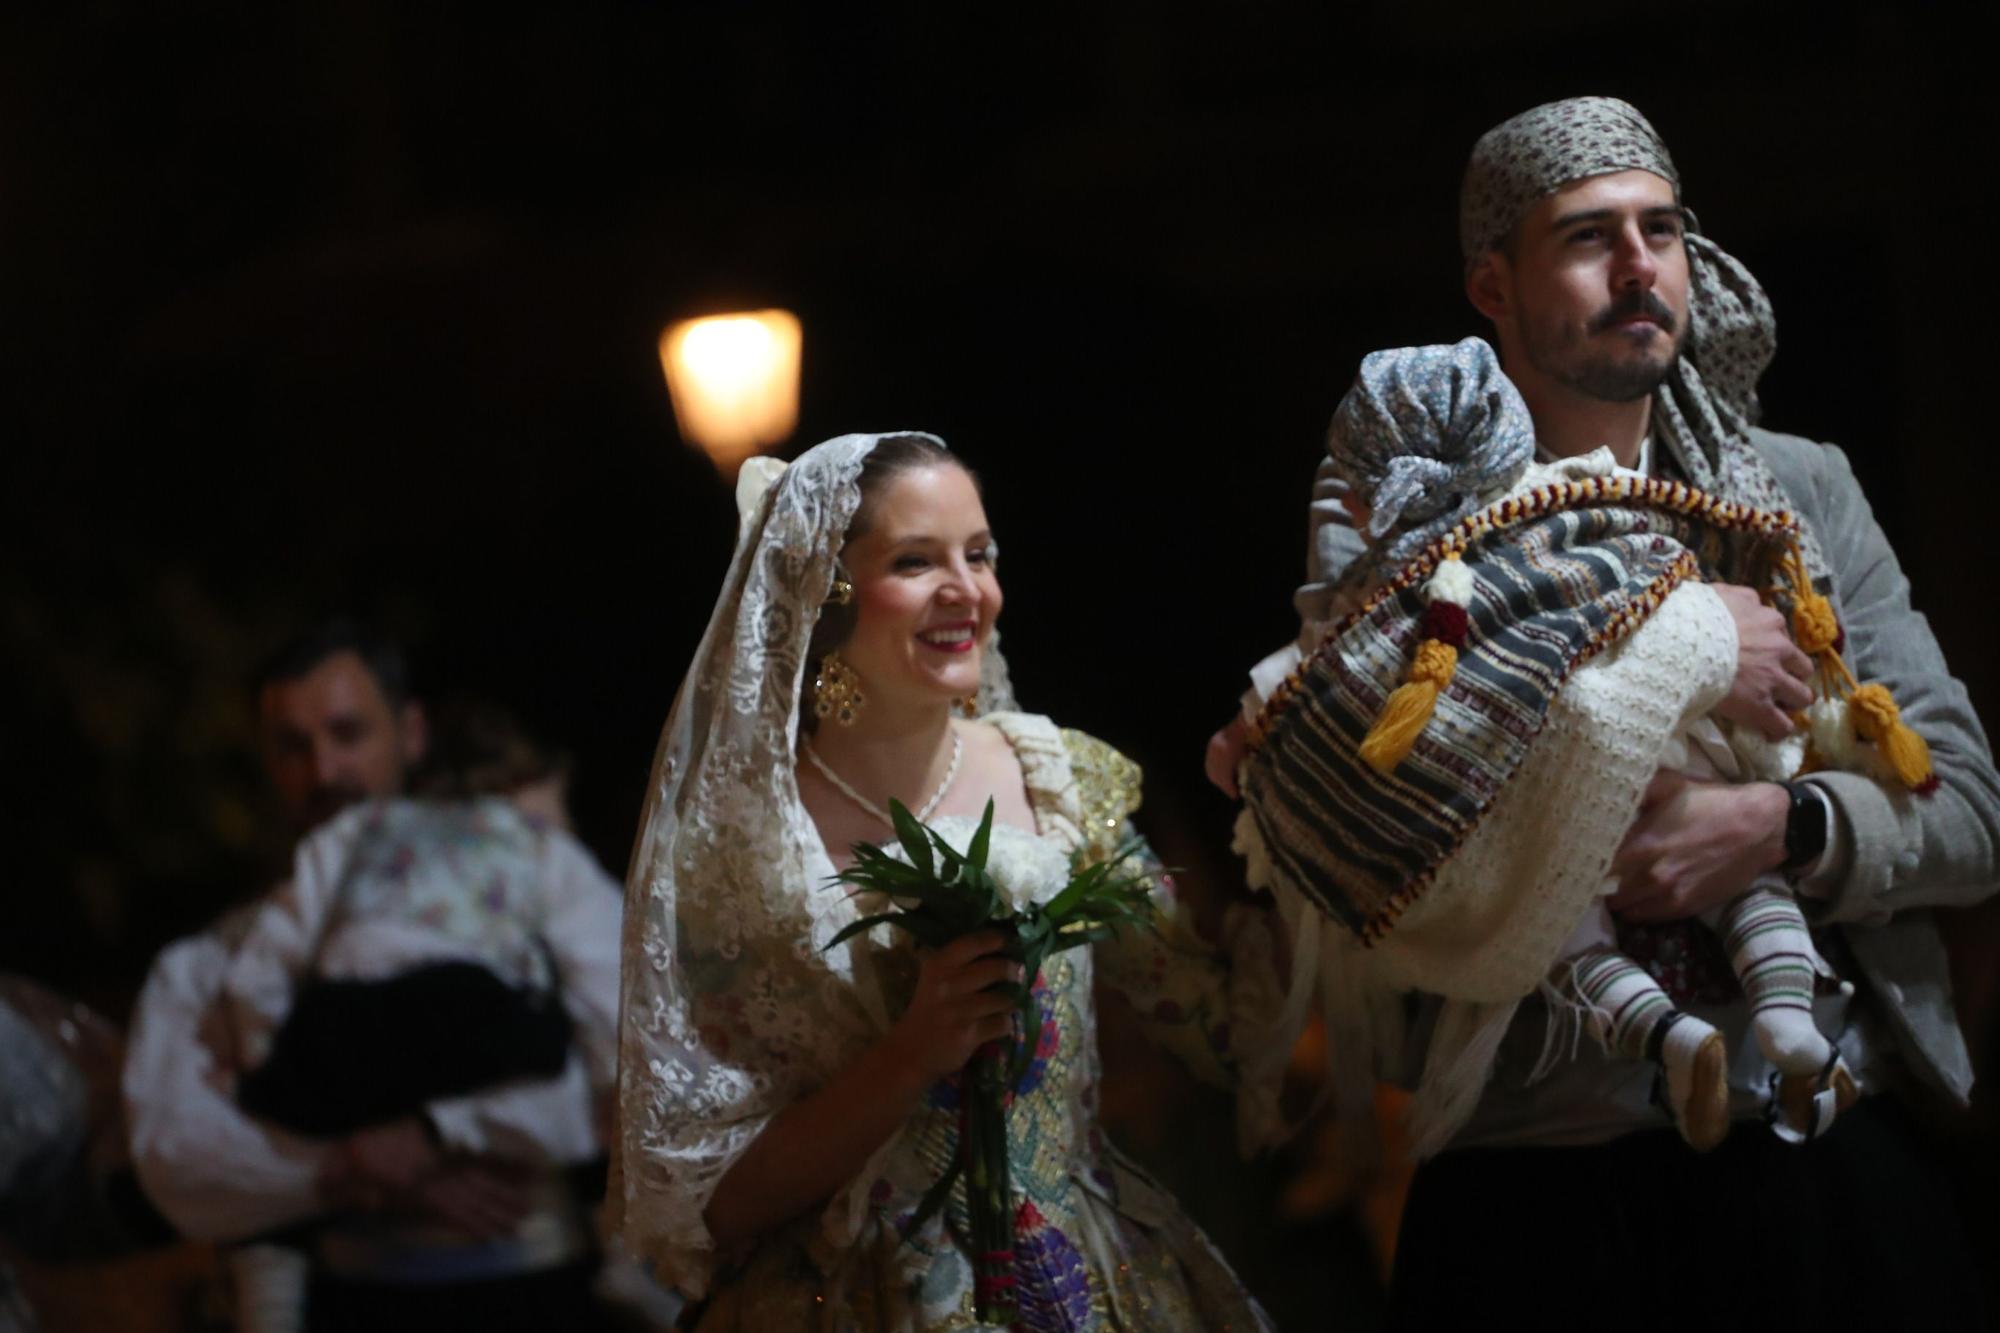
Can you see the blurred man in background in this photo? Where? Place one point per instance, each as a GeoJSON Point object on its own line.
{"type": "Point", "coordinates": [461, 1208]}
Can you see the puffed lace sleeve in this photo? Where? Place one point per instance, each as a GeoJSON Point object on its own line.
{"type": "Point", "coordinates": [1192, 995]}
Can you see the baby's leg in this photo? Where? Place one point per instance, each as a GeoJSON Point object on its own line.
{"type": "Point", "coordinates": [1772, 953]}
{"type": "Point", "coordinates": [1632, 1016]}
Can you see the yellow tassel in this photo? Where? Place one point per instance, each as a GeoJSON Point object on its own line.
{"type": "Point", "coordinates": [1878, 719]}
{"type": "Point", "coordinates": [1408, 710]}
{"type": "Point", "coordinates": [1436, 662]}
{"type": "Point", "coordinates": [1814, 625]}
{"type": "Point", "coordinates": [1872, 707]}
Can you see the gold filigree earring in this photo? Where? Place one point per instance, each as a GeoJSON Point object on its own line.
{"type": "Point", "coordinates": [842, 591]}
{"type": "Point", "coordinates": [837, 691]}
{"type": "Point", "coordinates": [969, 705]}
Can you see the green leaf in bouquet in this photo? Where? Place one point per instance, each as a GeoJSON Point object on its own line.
{"type": "Point", "coordinates": [952, 867]}
{"type": "Point", "coordinates": [976, 851]}
{"type": "Point", "coordinates": [886, 880]}
{"type": "Point", "coordinates": [880, 862]}
{"type": "Point", "coordinates": [924, 891]}
{"type": "Point", "coordinates": [914, 836]}
{"type": "Point", "coordinates": [935, 1197]}
{"type": "Point", "coordinates": [1079, 935]}
{"type": "Point", "coordinates": [923, 926]}
{"type": "Point", "coordinates": [982, 899]}
{"type": "Point", "coordinates": [875, 869]}
{"type": "Point", "coordinates": [1089, 883]}
{"type": "Point", "coordinates": [862, 925]}
{"type": "Point", "coordinates": [1059, 907]}
{"type": "Point", "coordinates": [1027, 1039]}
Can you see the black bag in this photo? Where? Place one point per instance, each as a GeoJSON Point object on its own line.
{"type": "Point", "coordinates": [357, 1053]}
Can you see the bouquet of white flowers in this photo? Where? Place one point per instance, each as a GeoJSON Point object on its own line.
{"type": "Point", "coordinates": [956, 877]}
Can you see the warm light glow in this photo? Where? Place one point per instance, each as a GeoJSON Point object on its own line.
{"type": "Point", "coordinates": [734, 381]}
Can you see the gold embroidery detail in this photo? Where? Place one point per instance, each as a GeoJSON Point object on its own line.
{"type": "Point", "coordinates": [1107, 785]}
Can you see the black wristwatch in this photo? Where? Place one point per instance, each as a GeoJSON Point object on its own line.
{"type": "Point", "coordinates": [1805, 828]}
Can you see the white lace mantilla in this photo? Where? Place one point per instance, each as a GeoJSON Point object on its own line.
{"type": "Point", "coordinates": [730, 1010]}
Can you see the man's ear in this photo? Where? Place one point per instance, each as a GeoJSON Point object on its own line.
{"type": "Point", "coordinates": [413, 730]}
{"type": "Point", "coordinates": [1489, 286]}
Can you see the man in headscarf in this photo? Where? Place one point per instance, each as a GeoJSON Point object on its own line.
{"type": "Point", "coordinates": [1623, 326]}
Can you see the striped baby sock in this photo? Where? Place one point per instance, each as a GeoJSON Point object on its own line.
{"type": "Point", "coordinates": [1632, 1016]}
{"type": "Point", "coordinates": [1765, 936]}
{"type": "Point", "coordinates": [1772, 954]}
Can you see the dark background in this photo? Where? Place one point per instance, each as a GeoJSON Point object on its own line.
{"type": "Point", "coordinates": [352, 305]}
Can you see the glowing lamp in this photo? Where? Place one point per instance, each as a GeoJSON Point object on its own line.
{"type": "Point", "coordinates": [734, 380]}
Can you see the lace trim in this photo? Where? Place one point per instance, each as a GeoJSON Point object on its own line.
{"type": "Point", "coordinates": [1082, 790]}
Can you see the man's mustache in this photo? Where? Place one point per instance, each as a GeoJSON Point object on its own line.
{"type": "Point", "coordinates": [329, 800]}
{"type": "Point", "coordinates": [1646, 304]}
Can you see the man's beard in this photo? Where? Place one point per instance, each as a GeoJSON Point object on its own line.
{"type": "Point", "coordinates": [1607, 379]}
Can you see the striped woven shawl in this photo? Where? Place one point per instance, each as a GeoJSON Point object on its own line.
{"type": "Point", "coordinates": [1562, 572]}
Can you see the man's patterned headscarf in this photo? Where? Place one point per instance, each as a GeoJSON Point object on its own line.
{"type": "Point", "coordinates": [1703, 410]}
{"type": "Point", "coordinates": [1425, 435]}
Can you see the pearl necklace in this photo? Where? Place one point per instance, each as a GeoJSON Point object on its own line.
{"type": "Point", "coordinates": [937, 797]}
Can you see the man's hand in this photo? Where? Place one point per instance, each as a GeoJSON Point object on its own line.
{"type": "Point", "coordinates": [1696, 845]}
{"type": "Point", "coordinates": [1225, 752]}
{"type": "Point", "coordinates": [482, 1196]}
{"type": "Point", "coordinates": [398, 1167]}
{"type": "Point", "coordinates": [392, 1157]}
{"type": "Point", "coordinates": [341, 1188]}
{"type": "Point", "coordinates": [1771, 670]}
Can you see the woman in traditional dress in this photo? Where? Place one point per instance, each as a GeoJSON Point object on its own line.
{"type": "Point", "coordinates": [785, 1105]}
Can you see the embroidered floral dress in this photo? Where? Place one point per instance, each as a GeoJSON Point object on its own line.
{"type": "Point", "coordinates": [1099, 1245]}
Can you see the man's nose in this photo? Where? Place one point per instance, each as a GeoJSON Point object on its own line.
{"type": "Point", "coordinates": [329, 762]}
{"type": "Point", "coordinates": [1636, 267]}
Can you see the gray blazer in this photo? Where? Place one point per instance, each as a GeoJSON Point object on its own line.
{"type": "Point", "coordinates": [1908, 854]}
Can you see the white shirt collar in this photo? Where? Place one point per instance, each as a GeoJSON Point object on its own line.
{"type": "Point", "coordinates": [1644, 465]}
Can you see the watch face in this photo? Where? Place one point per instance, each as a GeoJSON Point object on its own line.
{"type": "Point", "coordinates": [1805, 826]}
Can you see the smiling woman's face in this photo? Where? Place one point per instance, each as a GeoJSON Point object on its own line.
{"type": "Point", "coordinates": [925, 594]}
